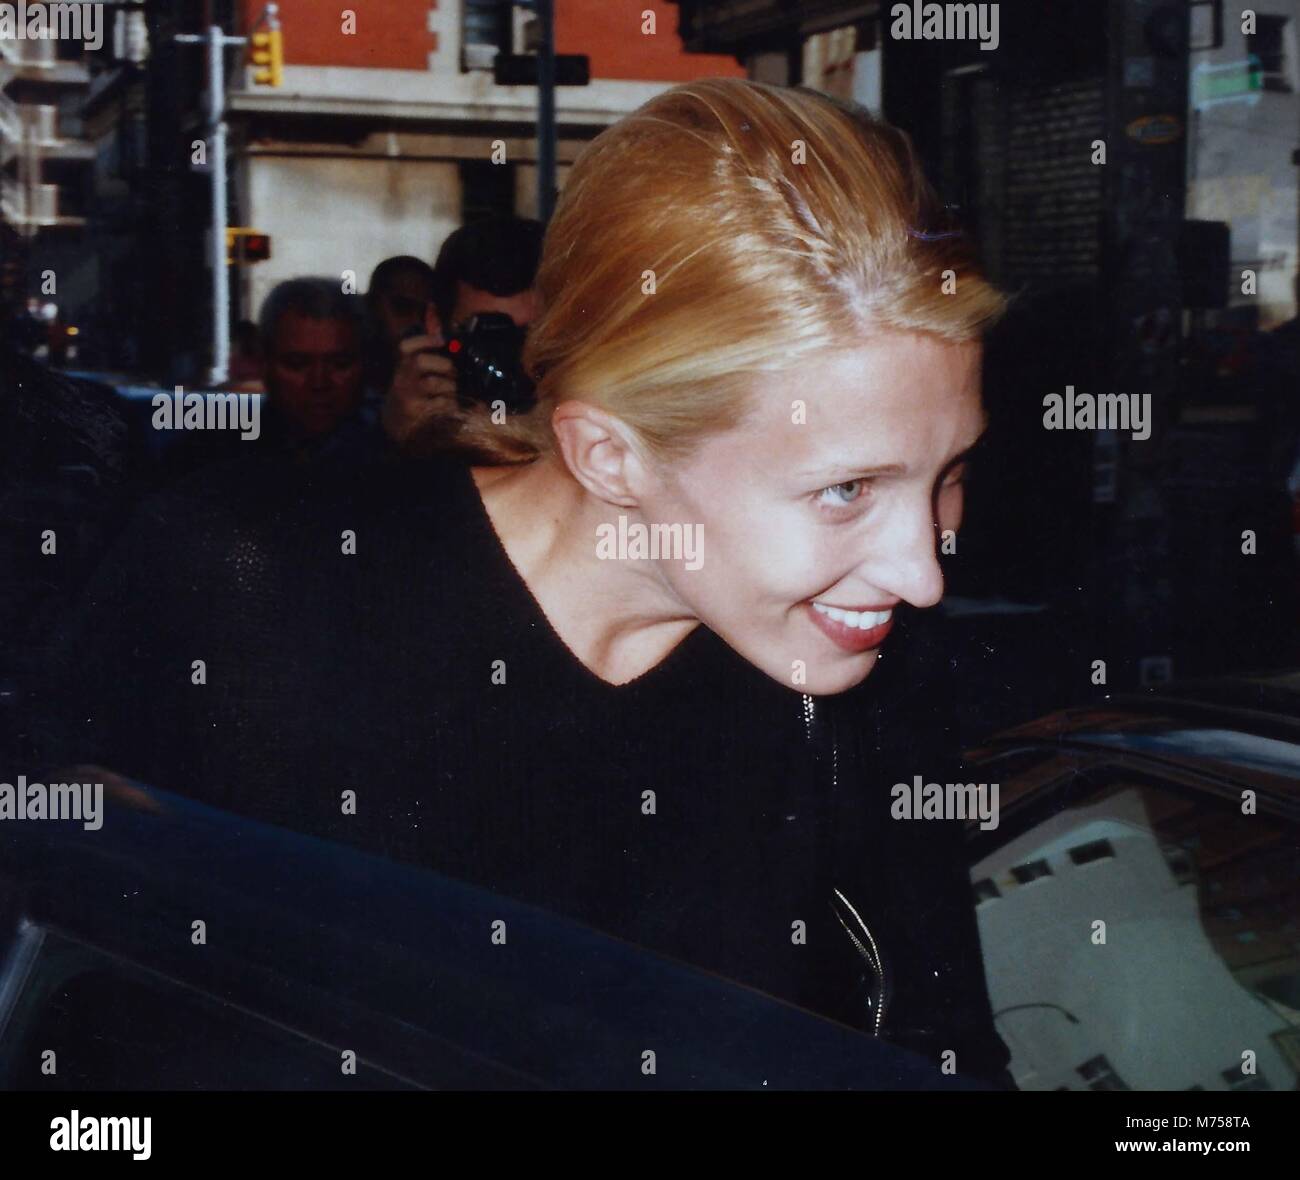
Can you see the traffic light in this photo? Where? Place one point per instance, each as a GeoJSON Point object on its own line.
{"type": "Point", "coordinates": [246, 245]}
{"type": "Point", "coordinates": [268, 55]}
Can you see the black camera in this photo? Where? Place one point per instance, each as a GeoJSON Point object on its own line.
{"type": "Point", "coordinates": [487, 351]}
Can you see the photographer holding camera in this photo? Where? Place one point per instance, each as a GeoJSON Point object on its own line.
{"type": "Point", "coordinates": [468, 352]}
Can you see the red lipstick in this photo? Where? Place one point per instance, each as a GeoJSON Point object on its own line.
{"type": "Point", "coordinates": [852, 638]}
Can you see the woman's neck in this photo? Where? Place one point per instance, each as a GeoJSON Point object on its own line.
{"type": "Point", "coordinates": [620, 618]}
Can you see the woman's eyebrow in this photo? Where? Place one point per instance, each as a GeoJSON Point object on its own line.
{"type": "Point", "coordinates": [830, 470]}
{"type": "Point", "coordinates": [833, 468]}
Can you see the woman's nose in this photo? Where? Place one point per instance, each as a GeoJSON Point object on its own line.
{"type": "Point", "coordinates": [907, 563]}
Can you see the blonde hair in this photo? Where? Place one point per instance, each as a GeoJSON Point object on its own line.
{"type": "Point", "coordinates": [728, 228]}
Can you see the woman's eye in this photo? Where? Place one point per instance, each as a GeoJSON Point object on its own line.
{"type": "Point", "coordinates": [840, 495]}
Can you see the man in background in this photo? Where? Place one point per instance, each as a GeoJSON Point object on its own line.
{"type": "Point", "coordinates": [401, 290]}
{"type": "Point", "coordinates": [488, 266]}
{"type": "Point", "coordinates": [312, 337]}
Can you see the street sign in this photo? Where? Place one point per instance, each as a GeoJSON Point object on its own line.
{"type": "Point", "coordinates": [1235, 81]}
{"type": "Point", "coordinates": [520, 69]}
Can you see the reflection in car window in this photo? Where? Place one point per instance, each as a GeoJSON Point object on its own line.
{"type": "Point", "coordinates": [1145, 939]}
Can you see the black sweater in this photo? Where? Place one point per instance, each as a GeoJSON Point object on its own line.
{"type": "Point", "coordinates": [702, 810]}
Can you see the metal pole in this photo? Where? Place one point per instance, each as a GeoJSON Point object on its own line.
{"type": "Point", "coordinates": [216, 41]}
{"type": "Point", "coordinates": [220, 275]}
{"type": "Point", "coordinates": [545, 110]}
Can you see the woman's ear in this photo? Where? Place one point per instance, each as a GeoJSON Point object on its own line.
{"type": "Point", "coordinates": [600, 452]}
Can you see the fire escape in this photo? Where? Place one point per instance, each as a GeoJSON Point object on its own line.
{"type": "Point", "coordinates": [37, 156]}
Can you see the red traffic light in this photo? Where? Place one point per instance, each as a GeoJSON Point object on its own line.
{"type": "Point", "coordinates": [255, 247]}
{"type": "Point", "coordinates": [246, 245]}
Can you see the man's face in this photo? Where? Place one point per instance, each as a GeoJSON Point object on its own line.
{"type": "Point", "coordinates": [400, 306]}
{"type": "Point", "coordinates": [314, 372]}
{"type": "Point", "coordinates": [833, 508]}
{"type": "Point", "coordinates": [522, 308]}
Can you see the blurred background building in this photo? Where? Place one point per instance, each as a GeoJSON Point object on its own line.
{"type": "Point", "coordinates": [383, 144]}
{"type": "Point", "coordinates": [41, 85]}
{"type": "Point", "coordinates": [386, 133]}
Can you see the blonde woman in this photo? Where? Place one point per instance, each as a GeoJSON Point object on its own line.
{"type": "Point", "coordinates": [654, 657]}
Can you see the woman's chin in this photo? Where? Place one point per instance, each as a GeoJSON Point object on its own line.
{"type": "Point", "coordinates": [825, 679]}
{"type": "Point", "coordinates": [829, 682]}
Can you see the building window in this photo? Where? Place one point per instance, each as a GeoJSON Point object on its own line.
{"type": "Point", "coordinates": [484, 29]}
{"type": "Point", "coordinates": [1268, 44]}
{"type": "Point", "coordinates": [1031, 871]}
{"type": "Point", "coordinates": [828, 60]}
{"type": "Point", "coordinates": [1083, 854]}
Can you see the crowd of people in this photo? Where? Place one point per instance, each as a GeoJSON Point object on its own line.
{"type": "Point", "coordinates": [355, 378]}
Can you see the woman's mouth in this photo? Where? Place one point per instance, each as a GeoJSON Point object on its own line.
{"type": "Point", "coordinates": [855, 630]}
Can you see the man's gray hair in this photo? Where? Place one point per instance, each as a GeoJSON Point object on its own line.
{"type": "Point", "coordinates": [317, 299]}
